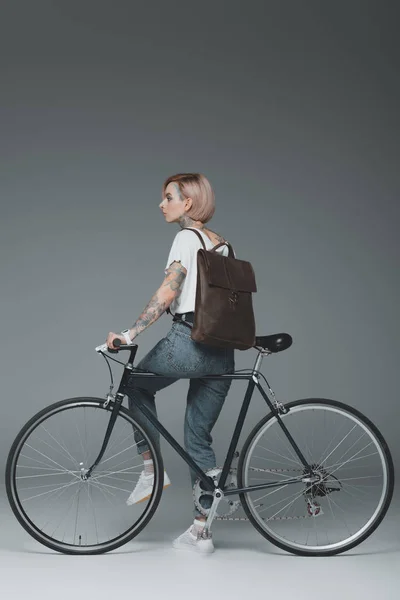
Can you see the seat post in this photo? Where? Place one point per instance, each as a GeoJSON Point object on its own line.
{"type": "Point", "coordinates": [261, 353]}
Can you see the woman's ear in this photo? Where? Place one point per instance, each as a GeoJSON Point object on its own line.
{"type": "Point", "coordinates": [188, 203]}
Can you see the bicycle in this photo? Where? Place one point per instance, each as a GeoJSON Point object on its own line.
{"type": "Point", "coordinates": [72, 466]}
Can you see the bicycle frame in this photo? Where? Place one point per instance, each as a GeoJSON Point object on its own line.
{"type": "Point", "coordinates": [252, 378]}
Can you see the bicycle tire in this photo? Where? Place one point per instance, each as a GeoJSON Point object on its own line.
{"type": "Point", "coordinates": [246, 503]}
{"type": "Point", "coordinates": [20, 513]}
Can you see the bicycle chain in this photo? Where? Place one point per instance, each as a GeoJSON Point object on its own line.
{"type": "Point", "coordinates": [266, 520]}
{"type": "Point", "coordinates": [227, 518]}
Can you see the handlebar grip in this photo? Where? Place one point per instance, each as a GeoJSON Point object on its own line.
{"type": "Point", "coordinates": [116, 344]}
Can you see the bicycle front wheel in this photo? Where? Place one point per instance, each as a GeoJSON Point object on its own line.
{"type": "Point", "coordinates": [345, 501]}
{"type": "Point", "coordinates": [45, 481]}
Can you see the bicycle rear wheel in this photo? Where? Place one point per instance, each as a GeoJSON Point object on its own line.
{"type": "Point", "coordinates": [353, 486]}
{"type": "Point", "coordinates": [48, 494]}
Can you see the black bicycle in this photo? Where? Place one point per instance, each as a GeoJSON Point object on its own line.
{"type": "Point", "coordinates": [315, 477]}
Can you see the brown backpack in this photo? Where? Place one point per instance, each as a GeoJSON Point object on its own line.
{"type": "Point", "coordinates": [223, 314]}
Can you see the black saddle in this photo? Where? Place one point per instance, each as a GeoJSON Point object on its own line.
{"type": "Point", "coordinates": [274, 343]}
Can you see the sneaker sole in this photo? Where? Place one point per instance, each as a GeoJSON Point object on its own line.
{"type": "Point", "coordinates": [147, 497]}
{"type": "Point", "coordinates": [190, 548]}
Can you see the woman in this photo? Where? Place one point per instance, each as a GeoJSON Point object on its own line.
{"type": "Point", "coordinates": [187, 200]}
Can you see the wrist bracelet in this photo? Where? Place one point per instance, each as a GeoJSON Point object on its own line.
{"type": "Point", "coordinates": [127, 337]}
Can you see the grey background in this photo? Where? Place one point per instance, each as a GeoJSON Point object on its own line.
{"type": "Point", "coordinates": [291, 111]}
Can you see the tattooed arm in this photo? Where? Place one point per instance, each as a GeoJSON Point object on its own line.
{"type": "Point", "coordinates": [166, 293]}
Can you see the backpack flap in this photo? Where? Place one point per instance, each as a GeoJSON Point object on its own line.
{"type": "Point", "coordinates": [229, 273]}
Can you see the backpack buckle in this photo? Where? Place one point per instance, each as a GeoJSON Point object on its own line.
{"type": "Point", "coordinates": [233, 297]}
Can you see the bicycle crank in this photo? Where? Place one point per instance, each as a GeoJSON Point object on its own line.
{"type": "Point", "coordinates": [226, 507]}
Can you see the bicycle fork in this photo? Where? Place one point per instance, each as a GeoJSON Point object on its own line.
{"type": "Point", "coordinates": [117, 404]}
{"type": "Point", "coordinates": [118, 399]}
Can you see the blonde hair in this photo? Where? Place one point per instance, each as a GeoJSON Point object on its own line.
{"type": "Point", "coordinates": [197, 187]}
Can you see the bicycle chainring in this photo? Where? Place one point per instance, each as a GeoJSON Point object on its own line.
{"type": "Point", "coordinates": [226, 507]}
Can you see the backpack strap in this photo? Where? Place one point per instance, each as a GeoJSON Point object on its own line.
{"type": "Point", "coordinates": [230, 249]}
{"type": "Point", "coordinates": [204, 246]}
{"type": "Point", "coordinates": [198, 235]}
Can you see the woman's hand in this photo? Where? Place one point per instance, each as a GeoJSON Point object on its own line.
{"type": "Point", "coordinates": [114, 336]}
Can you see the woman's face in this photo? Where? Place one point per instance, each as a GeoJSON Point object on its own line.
{"type": "Point", "coordinates": [172, 206]}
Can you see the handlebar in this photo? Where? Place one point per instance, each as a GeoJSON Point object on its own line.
{"type": "Point", "coordinates": [117, 347]}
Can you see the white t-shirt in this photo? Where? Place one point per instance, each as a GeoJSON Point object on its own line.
{"type": "Point", "coordinates": [184, 250]}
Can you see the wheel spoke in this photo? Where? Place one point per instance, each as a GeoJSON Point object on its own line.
{"type": "Point", "coordinates": [62, 446]}
{"type": "Point", "coordinates": [50, 459]}
{"type": "Point", "coordinates": [61, 487]}
{"type": "Point", "coordinates": [296, 462]}
{"type": "Point", "coordinates": [54, 499]}
{"type": "Point", "coordinates": [339, 504]}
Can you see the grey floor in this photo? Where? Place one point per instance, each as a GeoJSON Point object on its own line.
{"type": "Point", "coordinates": [243, 563]}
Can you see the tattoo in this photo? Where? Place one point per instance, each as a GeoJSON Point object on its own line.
{"type": "Point", "coordinates": [218, 236]}
{"type": "Point", "coordinates": [155, 308]}
{"type": "Point", "coordinates": [175, 276]}
{"type": "Point", "coordinates": [178, 191]}
{"type": "Point", "coordinates": [185, 221]}
{"type": "Point", "coordinates": [188, 222]}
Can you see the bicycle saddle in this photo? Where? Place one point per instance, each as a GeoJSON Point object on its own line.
{"type": "Point", "coordinates": [274, 343]}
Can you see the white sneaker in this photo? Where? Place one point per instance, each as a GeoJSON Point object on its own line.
{"type": "Point", "coordinates": [189, 541]}
{"type": "Point", "coordinates": [144, 487]}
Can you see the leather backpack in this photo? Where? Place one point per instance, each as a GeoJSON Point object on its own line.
{"type": "Point", "coordinates": [223, 314]}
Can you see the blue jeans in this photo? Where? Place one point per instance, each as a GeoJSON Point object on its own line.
{"type": "Point", "coordinates": [177, 356]}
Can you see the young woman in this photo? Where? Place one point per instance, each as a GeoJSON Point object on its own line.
{"type": "Point", "coordinates": [187, 200]}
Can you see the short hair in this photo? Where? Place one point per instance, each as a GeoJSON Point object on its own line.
{"type": "Point", "coordinates": [197, 187]}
